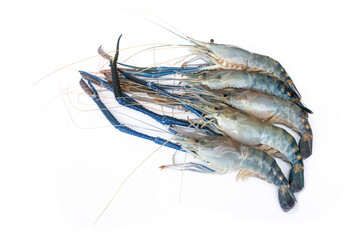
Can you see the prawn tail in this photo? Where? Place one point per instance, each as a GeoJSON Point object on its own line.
{"type": "Point", "coordinates": [305, 145]}
{"type": "Point", "coordinates": [286, 198]}
{"type": "Point", "coordinates": [290, 84]}
{"type": "Point", "coordinates": [297, 176]}
{"type": "Point", "coordinates": [302, 106]}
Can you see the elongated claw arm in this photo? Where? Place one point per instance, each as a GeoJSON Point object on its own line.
{"type": "Point", "coordinates": [156, 72]}
{"type": "Point", "coordinates": [129, 102]}
{"type": "Point", "coordinates": [91, 91]}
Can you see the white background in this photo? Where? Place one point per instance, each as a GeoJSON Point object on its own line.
{"type": "Point", "coordinates": [60, 165]}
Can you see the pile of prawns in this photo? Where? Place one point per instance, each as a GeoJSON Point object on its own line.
{"type": "Point", "coordinates": [236, 97]}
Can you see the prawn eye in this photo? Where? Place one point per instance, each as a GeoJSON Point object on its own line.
{"type": "Point", "coordinates": [226, 94]}
{"type": "Point", "coordinates": [197, 140]}
{"type": "Point", "coordinates": [218, 108]}
{"type": "Point", "coordinates": [211, 40]}
{"type": "Point", "coordinates": [204, 74]}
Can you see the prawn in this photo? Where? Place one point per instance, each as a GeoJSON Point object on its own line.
{"type": "Point", "coordinates": [225, 56]}
{"type": "Point", "coordinates": [225, 155]}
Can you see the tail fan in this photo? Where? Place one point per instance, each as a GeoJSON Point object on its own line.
{"type": "Point", "coordinates": [286, 198]}
{"type": "Point", "coordinates": [305, 145]}
{"type": "Point", "coordinates": [297, 177]}
{"type": "Point", "coordinates": [302, 106]}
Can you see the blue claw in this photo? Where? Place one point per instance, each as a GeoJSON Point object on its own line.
{"type": "Point", "coordinates": [91, 91]}
{"type": "Point", "coordinates": [129, 102]}
{"type": "Point", "coordinates": [158, 71]}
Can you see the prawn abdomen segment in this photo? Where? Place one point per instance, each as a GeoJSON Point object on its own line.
{"type": "Point", "coordinates": [265, 64]}
{"type": "Point", "coordinates": [272, 151]}
{"type": "Point", "coordinates": [306, 137]}
{"type": "Point", "coordinates": [250, 131]}
{"type": "Point", "coordinates": [220, 79]}
{"type": "Point", "coordinates": [281, 140]}
{"type": "Point", "coordinates": [287, 145]}
{"type": "Point", "coordinates": [260, 163]}
{"type": "Point", "coordinates": [265, 167]}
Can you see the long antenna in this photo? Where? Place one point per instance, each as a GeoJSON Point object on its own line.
{"type": "Point", "coordinates": [88, 58]}
{"type": "Point", "coordinates": [137, 167]}
{"type": "Point", "coordinates": [182, 178]}
{"type": "Point", "coordinates": [126, 179]}
{"type": "Point", "coordinates": [185, 37]}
